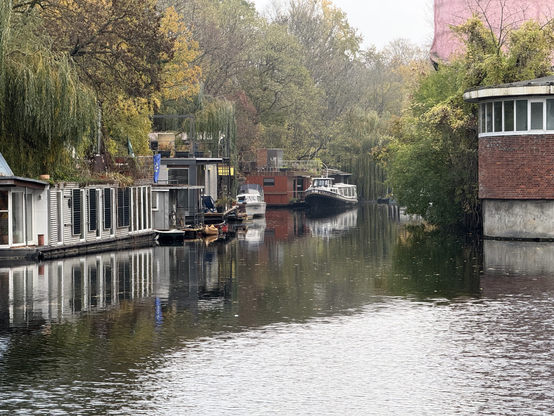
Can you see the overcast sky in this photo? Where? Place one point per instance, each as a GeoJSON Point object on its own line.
{"type": "Point", "coordinates": [381, 21]}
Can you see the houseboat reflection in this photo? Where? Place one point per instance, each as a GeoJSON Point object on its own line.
{"type": "Point", "coordinates": [33, 295]}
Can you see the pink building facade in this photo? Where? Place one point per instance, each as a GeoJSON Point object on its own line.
{"type": "Point", "coordinates": [499, 13]}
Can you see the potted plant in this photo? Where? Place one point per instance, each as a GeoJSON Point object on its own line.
{"type": "Point", "coordinates": [223, 203]}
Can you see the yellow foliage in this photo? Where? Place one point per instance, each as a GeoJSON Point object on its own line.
{"type": "Point", "coordinates": [128, 118]}
{"type": "Point", "coordinates": [180, 79]}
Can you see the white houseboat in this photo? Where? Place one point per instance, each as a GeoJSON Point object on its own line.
{"type": "Point", "coordinates": [323, 193]}
{"type": "Point", "coordinates": [39, 220]}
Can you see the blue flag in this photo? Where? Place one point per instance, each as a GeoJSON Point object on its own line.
{"type": "Point", "coordinates": [157, 161]}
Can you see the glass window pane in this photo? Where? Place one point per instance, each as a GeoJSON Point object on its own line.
{"type": "Point", "coordinates": [18, 226]}
{"type": "Point", "coordinates": [3, 200]}
{"type": "Point", "coordinates": [83, 215]}
{"type": "Point", "coordinates": [481, 118]}
{"type": "Point", "coordinates": [144, 209]}
{"type": "Point", "coordinates": [489, 117]}
{"type": "Point", "coordinates": [550, 114]}
{"type": "Point", "coordinates": [178, 176]}
{"type": "Point", "coordinates": [508, 116]}
{"type": "Point", "coordinates": [183, 199]}
{"type": "Point", "coordinates": [498, 116]}
{"type": "Point", "coordinates": [537, 116]}
{"type": "Point", "coordinates": [60, 216]}
{"type": "Point", "coordinates": [4, 228]}
{"type": "Point", "coordinates": [107, 208]}
{"type": "Point", "coordinates": [521, 115]}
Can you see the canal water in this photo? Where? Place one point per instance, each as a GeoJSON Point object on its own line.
{"type": "Point", "coordinates": [355, 313]}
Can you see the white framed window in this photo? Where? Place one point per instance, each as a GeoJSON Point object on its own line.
{"type": "Point", "coordinates": [517, 116]}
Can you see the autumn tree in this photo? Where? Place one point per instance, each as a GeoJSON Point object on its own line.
{"type": "Point", "coordinates": [282, 92]}
{"type": "Point", "coordinates": [330, 48]}
{"type": "Point", "coordinates": [117, 45]}
{"type": "Point", "coordinates": [118, 48]}
{"type": "Point", "coordinates": [227, 33]}
{"type": "Point", "coordinates": [433, 156]}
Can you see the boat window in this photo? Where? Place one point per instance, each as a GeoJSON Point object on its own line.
{"type": "Point", "coordinates": [92, 209]}
{"type": "Point", "coordinates": [550, 114]}
{"type": "Point", "coordinates": [76, 211]}
{"type": "Point", "coordinates": [107, 208]}
{"type": "Point", "coordinates": [498, 116]}
{"type": "Point", "coordinates": [183, 199]}
{"type": "Point", "coordinates": [488, 123]}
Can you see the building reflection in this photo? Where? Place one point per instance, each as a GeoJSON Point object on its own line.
{"type": "Point", "coordinates": [284, 225]}
{"type": "Point", "coordinates": [37, 294]}
{"type": "Point", "coordinates": [65, 289]}
{"type": "Point", "coordinates": [518, 257]}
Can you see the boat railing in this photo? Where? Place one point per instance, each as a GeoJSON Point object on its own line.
{"type": "Point", "coordinates": [140, 167]}
{"type": "Point", "coordinates": [311, 166]}
{"type": "Point", "coordinates": [328, 193]}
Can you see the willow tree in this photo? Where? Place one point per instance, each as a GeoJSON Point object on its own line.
{"type": "Point", "coordinates": [362, 131]}
{"type": "Point", "coordinates": [208, 123]}
{"type": "Point", "coordinates": [46, 113]}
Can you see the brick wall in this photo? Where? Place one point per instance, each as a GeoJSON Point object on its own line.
{"type": "Point", "coordinates": [516, 167]}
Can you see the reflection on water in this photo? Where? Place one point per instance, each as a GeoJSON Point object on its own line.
{"type": "Point", "coordinates": [329, 225]}
{"type": "Point", "coordinates": [254, 232]}
{"type": "Point", "coordinates": [519, 257]}
{"type": "Point", "coordinates": [44, 293]}
{"type": "Point", "coordinates": [41, 294]}
{"type": "Point", "coordinates": [355, 313]}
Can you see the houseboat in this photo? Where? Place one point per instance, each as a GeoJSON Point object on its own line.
{"type": "Point", "coordinates": [283, 181]}
{"type": "Point", "coordinates": [323, 193]}
{"type": "Point", "coordinates": [181, 183]}
{"type": "Point", "coordinates": [39, 220]}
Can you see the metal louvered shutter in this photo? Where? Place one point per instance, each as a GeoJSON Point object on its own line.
{"type": "Point", "coordinates": [76, 211]}
{"type": "Point", "coordinates": [107, 208]}
{"type": "Point", "coordinates": [92, 203]}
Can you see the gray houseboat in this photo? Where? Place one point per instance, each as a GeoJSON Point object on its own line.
{"type": "Point", "coordinates": [41, 221]}
{"type": "Point", "coordinates": [177, 193]}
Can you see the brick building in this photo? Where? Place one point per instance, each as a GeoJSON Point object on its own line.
{"type": "Point", "coordinates": [516, 158]}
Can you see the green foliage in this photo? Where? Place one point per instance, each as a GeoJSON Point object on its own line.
{"type": "Point", "coordinates": [432, 158]}
{"type": "Point", "coordinates": [127, 118]}
{"type": "Point", "coordinates": [359, 133]}
{"type": "Point", "coordinates": [216, 128]}
{"type": "Point", "coordinates": [45, 111]}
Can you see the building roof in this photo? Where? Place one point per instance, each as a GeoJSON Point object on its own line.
{"type": "Point", "coordinates": [7, 177]}
{"type": "Point", "coordinates": [539, 86]}
{"type": "Point", "coordinates": [4, 167]}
